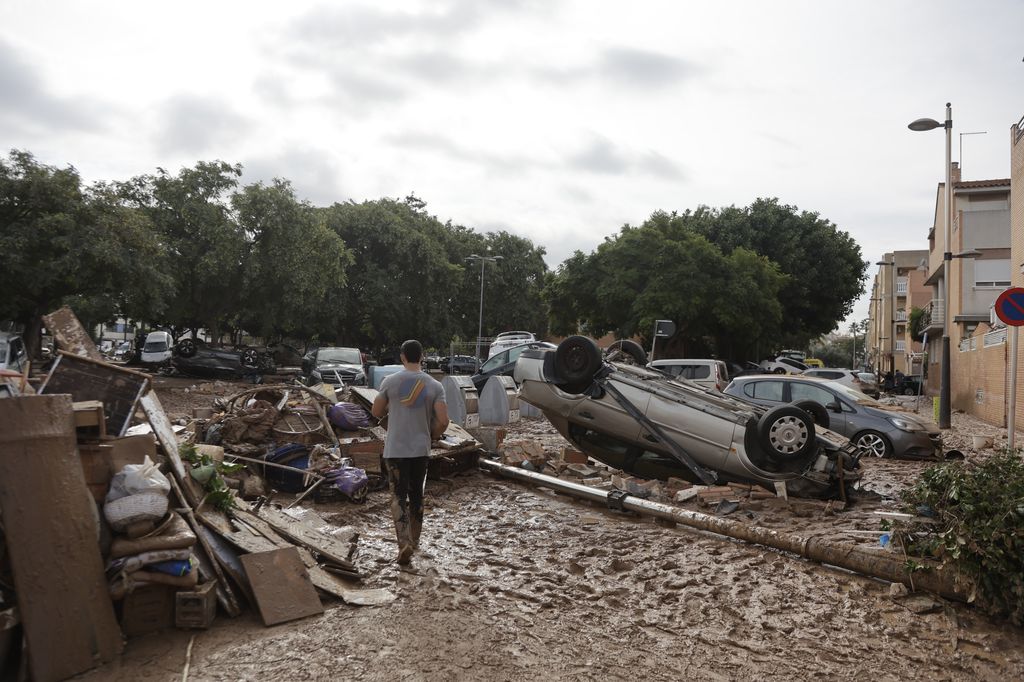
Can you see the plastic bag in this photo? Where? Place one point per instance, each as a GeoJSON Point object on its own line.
{"type": "Point", "coordinates": [348, 416]}
{"type": "Point", "coordinates": [134, 479]}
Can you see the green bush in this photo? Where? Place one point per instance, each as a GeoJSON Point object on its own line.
{"type": "Point", "coordinates": [978, 529]}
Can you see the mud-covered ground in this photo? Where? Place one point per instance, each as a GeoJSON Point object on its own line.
{"type": "Point", "coordinates": [519, 583]}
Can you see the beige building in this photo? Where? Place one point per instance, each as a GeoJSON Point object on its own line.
{"type": "Point", "coordinates": [898, 288]}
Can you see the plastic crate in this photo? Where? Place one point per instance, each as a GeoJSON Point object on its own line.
{"type": "Point", "coordinates": [196, 608]}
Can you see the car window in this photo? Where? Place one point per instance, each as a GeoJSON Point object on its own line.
{"type": "Point", "coordinates": [348, 356]}
{"type": "Point", "coordinates": [514, 353]}
{"type": "Point", "coordinates": [801, 391]}
{"type": "Point", "coordinates": [495, 362]}
{"type": "Point", "coordinates": [695, 372]}
{"type": "Point", "coordinates": [768, 390]}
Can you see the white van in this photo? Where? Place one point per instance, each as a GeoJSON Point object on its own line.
{"type": "Point", "coordinates": [506, 340]}
{"type": "Point", "coordinates": [711, 374]}
{"type": "Point", "coordinates": [157, 349]}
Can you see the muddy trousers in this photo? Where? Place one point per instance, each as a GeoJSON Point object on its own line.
{"type": "Point", "coordinates": [407, 477]}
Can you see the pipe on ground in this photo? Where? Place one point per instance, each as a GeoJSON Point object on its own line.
{"type": "Point", "coordinates": [874, 563]}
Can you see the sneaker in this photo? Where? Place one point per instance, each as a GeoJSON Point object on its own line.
{"type": "Point", "coordinates": [405, 555]}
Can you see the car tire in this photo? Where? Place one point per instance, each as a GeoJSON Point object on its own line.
{"type": "Point", "coordinates": [186, 348]}
{"type": "Point", "coordinates": [250, 358]}
{"type": "Point", "coordinates": [786, 433]}
{"type": "Point", "coordinates": [873, 443]}
{"type": "Point", "coordinates": [633, 350]}
{"type": "Point", "coordinates": [817, 411]}
{"type": "Point", "coordinates": [909, 391]}
{"type": "Point", "coordinates": [778, 370]}
{"type": "Point", "coordinates": [577, 360]}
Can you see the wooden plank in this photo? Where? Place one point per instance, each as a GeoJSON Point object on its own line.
{"type": "Point", "coordinates": [70, 335]}
{"type": "Point", "coordinates": [117, 388]}
{"type": "Point", "coordinates": [165, 434]}
{"type": "Point", "coordinates": [281, 586]}
{"type": "Point", "coordinates": [51, 534]}
{"type": "Point", "coordinates": [307, 535]}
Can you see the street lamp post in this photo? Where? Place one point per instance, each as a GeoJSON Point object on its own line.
{"type": "Point", "coordinates": [892, 309]}
{"type": "Point", "coordinates": [480, 326]}
{"type": "Point", "coordinates": [923, 124]}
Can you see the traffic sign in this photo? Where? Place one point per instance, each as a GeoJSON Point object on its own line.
{"type": "Point", "coordinates": [1010, 306]}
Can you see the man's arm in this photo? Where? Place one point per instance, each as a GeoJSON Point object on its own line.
{"type": "Point", "coordinates": [380, 406]}
{"type": "Point", "coordinates": [440, 422]}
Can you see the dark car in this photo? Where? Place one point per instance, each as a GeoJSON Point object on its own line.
{"type": "Point", "coordinates": [458, 364]}
{"type": "Point", "coordinates": [336, 365]}
{"type": "Point", "coordinates": [195, 357]}
{"type": "Point", "coordinates": [743, 368]}
{"type": "Point", "coordinates": [878, 430]}
{"type": "Point", "coordinates": [651, 425]}
{"type": "Point", "coordinates": [504, 363]}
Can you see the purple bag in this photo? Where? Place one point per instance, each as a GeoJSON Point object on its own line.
{"type": "Point", "coordinates": [348, 416]}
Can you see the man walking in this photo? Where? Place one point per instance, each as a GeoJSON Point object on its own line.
{"type": "Point", "coordinates": [417, 414]}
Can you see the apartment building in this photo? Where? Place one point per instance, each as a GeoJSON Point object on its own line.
{"type": "Point", "coordinates": [898, 288]}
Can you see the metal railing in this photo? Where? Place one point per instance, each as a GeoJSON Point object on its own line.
{"type": "Point", "coordinates": [994, 338]}
{"type": "Point", "coordinates": [901, 316]}
{"type": "Point", "coordinates": [933, 314]}
{"type": "Point", "coordinates": [902, 285]}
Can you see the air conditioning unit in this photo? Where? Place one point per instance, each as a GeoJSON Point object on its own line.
{"type": "Point", "coordinates": [993, 319]}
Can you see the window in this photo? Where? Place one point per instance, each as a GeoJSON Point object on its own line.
{"type": "Point", "coordinates": [992, 273]}
{"type": "Point", "coordinates": [695, 372]}
{"type": "Point", "coordinates": [495, 362]}
{"type": "Point", "coordinates": [901, 346]}
{"type": "Point", "coordinates": [799, 391]}
{"type": "Point", "coordinates": [764, 390]}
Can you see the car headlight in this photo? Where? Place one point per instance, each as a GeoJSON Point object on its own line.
{"type": "Point", "coordinates": [905, 424]}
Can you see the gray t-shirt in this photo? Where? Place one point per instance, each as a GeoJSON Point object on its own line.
{"type": "Point", "coordinates": [411, 397]}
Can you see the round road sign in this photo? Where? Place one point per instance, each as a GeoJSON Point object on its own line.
{"type": "Point", "coordinates": [1010, 306]}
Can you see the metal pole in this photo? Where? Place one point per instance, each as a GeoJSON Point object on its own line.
{"type": "Point", "coordinates": [947, 262]}
{"type": "Point", "coordinates": [480, 327]}
{"type": "Point", "coordinates": [1011, 418]}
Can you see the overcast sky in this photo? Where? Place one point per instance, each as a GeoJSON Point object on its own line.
{"type": "Point", "coordinates": [559, 121]}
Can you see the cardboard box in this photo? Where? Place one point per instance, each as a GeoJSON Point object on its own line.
{"type": "Point", "coordinates": [196, 608]}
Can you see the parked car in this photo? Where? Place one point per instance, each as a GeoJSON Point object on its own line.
{"type": "Point", "coordinates": [870, 383]}
{"type": "Point", "coordinates": [742, 368]}
{"type": "Point", "coordinates": [847, 377]}
{"type": "Point", "coordinates": [336, 365]}
{"type": "Point", "coordinates": [506, 340]}
{"type": "Point", "coordinates": [458, 364]}
{"type": "Point", "coordinates": [198, 358]}
{"type": "Point", "coordinates": [157, 349]}
{"type": "Point", "coordinates": [878, 430]}
{"type": "Point", "coordinates": [813, 362]}
{"type": "Point", "coordinates": [709, 373]}
{"type": "Point", "coordinates": [912, 385]}
{"type": "Point", "coordinates": [783, 365]}
{"type": "Point", "coordinates": [13, 355]}
{"type": "Point", "coordinates": [648, 424]}
{"type": "Point", "coordinates": [504, 363]}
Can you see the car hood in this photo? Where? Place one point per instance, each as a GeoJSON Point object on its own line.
{"type": "Point", "coordinates": [321, 366]}
{"type": "Point", "coordinates": [887, 411]}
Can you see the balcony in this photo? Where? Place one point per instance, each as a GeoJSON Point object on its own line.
{"type": "Point", "coordinates": [902, 285]}
{"type": "Point", "coordinates": [901, 316]}
{"type": "Point", "coordinates": [932, 320]}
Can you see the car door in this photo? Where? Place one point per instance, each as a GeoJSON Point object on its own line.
{"type": "Point", "coordinates": [767, 392]}
{"type": "Point", "coordinates": [18, 356]}
{"type": "Point", "coordinates": [800, 391]}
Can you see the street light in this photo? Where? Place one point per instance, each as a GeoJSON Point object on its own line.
{"type": "Point", "coordinates": [480, 328]}
{"type": "Point", "coordinates": [920, 125]}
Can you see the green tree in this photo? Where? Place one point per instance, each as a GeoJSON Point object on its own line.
{"type": "Point", "coordinates": [295, 267]}
{"type": "Point", "coordinates": [824, 265]}
{"type": "Point", "coordinates": [206, 247]}
{"type": "Point", "coordinates": [59, 240]}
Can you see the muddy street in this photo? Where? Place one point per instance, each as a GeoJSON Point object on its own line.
{"type": "Point", "coordinates": [519, 583]}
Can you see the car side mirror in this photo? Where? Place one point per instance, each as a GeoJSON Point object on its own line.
{"type": "Point", "coordinates": [835, 407]}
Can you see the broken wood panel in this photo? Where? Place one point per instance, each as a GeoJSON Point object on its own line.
{"type": "Point", "coordinates": [70, 335]}
{"type": "Point", "coordinates": [308, 535]}
{"type": "Point", "coordinates": [51, 532]}
{"type": "Point", "coordinates": [228, 558]}
{"type": "Point", "coordinates": [85, 380]}
{"type": "Point", "coordinates": [281, 586]}
{"type": "Point", "coordinates": [165, 434]}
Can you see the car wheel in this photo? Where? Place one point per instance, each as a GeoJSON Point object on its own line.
{"type": "Point", "coordinates": [908, 391]}
{"type": "Point", "coordinates": [873, 443]}
{"type": "Point", "coordinates": [186, 348]}
{"type": "Point", "coordinates": [577, 360]}
{"type": "Point", "coordinates": [630, 349]}
{"type": "Point", "coordinates": [817, 411]}
{"type": "Point", "coordinates": [778, 370]}
{"type": "Point", "coordinates": [786, 433]}
{"type": "Point", "coordinates": [250, 358]}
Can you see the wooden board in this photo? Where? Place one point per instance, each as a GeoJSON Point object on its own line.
{"type": "Point", "coordinates": [70, 335]}
{"type": "Point", "coordinates": [165, 434]}
{"type": "Point", "coordinates": [50, 524]}
{"type": "Point", "coordinates": [117, 388]}
{"type": "Point", "coordinates": [308, 535]}
{"type": "Point", "coordinates": [281, 586]}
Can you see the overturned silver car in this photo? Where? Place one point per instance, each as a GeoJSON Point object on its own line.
{"type": "Point", "coordinates": [654, 426]}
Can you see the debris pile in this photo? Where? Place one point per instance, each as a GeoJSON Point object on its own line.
{"type": "Point", "coordinates": [137, 525]}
